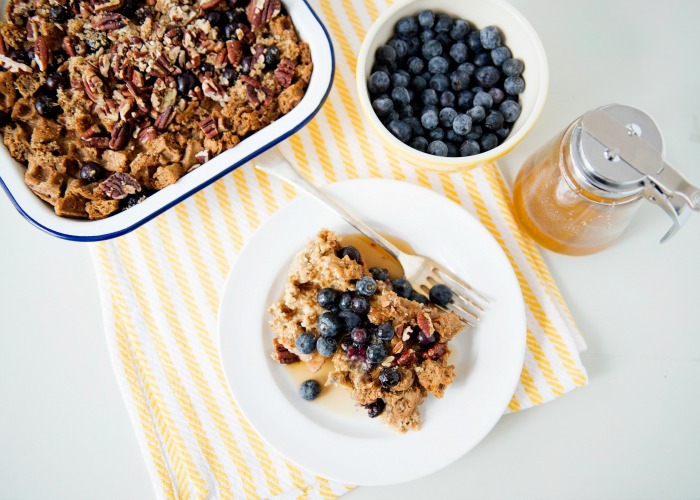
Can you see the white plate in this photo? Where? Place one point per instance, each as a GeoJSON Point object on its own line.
{"type": "Point", "coordinates": [347, 446]}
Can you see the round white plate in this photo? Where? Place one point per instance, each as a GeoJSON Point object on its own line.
{"type": "Point", "coordinates": [347, 446]}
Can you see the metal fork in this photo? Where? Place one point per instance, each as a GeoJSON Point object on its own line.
{"type": "Point", "coordinates": [422, 272]}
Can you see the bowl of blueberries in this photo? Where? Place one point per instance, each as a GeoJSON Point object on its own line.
{"type": "Point", "coordinates": [452, 85]}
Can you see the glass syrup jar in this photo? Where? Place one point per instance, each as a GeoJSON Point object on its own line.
{"type": "Point", "coordinates": [578, 193]}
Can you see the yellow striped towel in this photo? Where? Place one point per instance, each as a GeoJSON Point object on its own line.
{"type": "Point", "coordinates": [161, 286]}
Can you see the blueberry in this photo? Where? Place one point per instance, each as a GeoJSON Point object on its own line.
{"type": "Point", "coordinates": [483, 59]}
{"type": "Point", "coordinates": [437, 134]}
{"type": "Point", "coordinates": [514, 85]}
{"type": "Point", "coordinates": [476, 133]}
{"type": "Point", "coordinates": [438, 64]}
{"type": "Point", "coordinates": [510, 110]}
{"type": "Point", "coordinates": [375, 408]}
{"type": "Point", "coordinates": [132, 200]}
{"type": "Point", "coordinates": [142, 13]}
{"type": "Point", "coordinates": [400, 97]}
{"type": "Point", "coordinates": [452, 150]}
{"type": "Point", "coordinates": [326, 346]}
{"type": "Point", "coordinates": [474, 41]}
{"type": "Point", "coordinates": [414, 124]}
{"type": "Point", "coordinates": [490, 37]}
{"type": "Point", "coordinates": [477, 113]}
{"type": "Point", "coordinates": [459, 30]}
{"type": "Point", "coordinates": [359, 336]}
{"type": "Point", "coordinates": [351, 252]}
{"type": "Point", "coordinates": [407, 27]}
{"type": "Point", "coordinates": [400, 78]}
{"type": "Point", "coordinates": [402, 287]}
{"type": "Point", "coordinates": [245, 65]}
{"type": "Point", "coordinates": [381, 67]}
{"type": "Point", "coordinates": [378, 82]}
{"type": "Point", "coordinates": [329, 324]}
{"type": "Point", "coordinates": [230, 74]}
{"type": "Point", "coordinates": [444, 39]}
{"type": "Point", "coordinates": [438, 148]}
{"type": "Point", "coordinates": [90, 171]}
{"type": "Point", "coordinates": [209, 68]}
{"type": "Point", "coordinates": [426, 35]}
{"type": "Point", "coordinates": [366, 286]}
{"type": "Point", "coordinates": [440, 294]}
{"type": "Point", "coordinates": [272, 56]}
{"type": "Point", "coordinates": [419, 84]}
{"type": "Point", "coordinates": [420, 298]}
{"type": "Point", "coordinates": [400, 130]}
{"type": "Point", "coordinates": [443, 23]}
{"type": "Point", "coordinates": [447, 99]}
{"type": "Point", "coordinates": [429, 97]}
{"type": "Point", "coordinates": [376, 353]}
{"type": "Point", "coordinates": [462, 124]}
{"type": "Point", "coordinates": [447, 116]}
{"type": "Point", "coordinates": [415, 65]}
{"type": "Point", "coordinates": [400, 46]}
{"type": "Point", "coordinates": [425, 340]}
{"type": "Point", "coordinates": [439, 82]}
{"type": "Point", "coordinates": [426, 19]}
{"type": "Point", "coordinates": [230, 31]}
{"type": "Point", "coordinates": [386, 54]}
{"type": "Point", "coordinates": [419, 143]}
{"type": "Point", "coordinates": [494, 120]}
{"type": "Point", "coordinates": [385, 332]}
{"type": "Point", "coordinates": [497, 95]}
{"type": "Point", "coordinates": [468, 68]}
{"type": "Point", "coordinates": [306, 343]}
{"type": "Point", "coordinates": [344, 301]}
{"type": "Point", "coordinates": [394, 115]}
{"type": "Point", "coordinates": [55, 81]}
{"type": "Point", "coordinates": [465, 100]}
{"type": "Point", "coordinates": [216, 18]}
{"type": "Point", "coordinates": [413, 46]}
{"type": "Point", "coordinates": [309, 390]}
{"type": "Point", "coordinates": [469, 148]}
{"type": "Point", "coordinates": [327, 297]}
{"type": "Point", "coordinates": [382, 106]}
{"type": "Point", "coordinates": [483, 99]}
{"type": "Point", "coordinates": [389, 377]}
{"type": "Point", "coordinates": [502, 133]}
{"type": "Point", "coordinates": [46, 106]}
{"type": "Point", "coordinates": [58, 14]}
{"type": "Point", "coordinates": [458, 52]}
{"type": "Point", "coordinates": [513, 67]}
{"type": "Point", "coordinates": [487, 76]}
{"type": "Point", "coordinates": [452, 137]}
{"type": "Point", "coordinates": [346, 343]}
{"type": "Point", "coordinates": [359, 305]}
{"type": "Point", "coordinates": [430, 49]}
{"type": "Point", "coordinates": [350, 319]}
{"type": "Point", "coordinates": [488, 142]}
{"type": "Point", "coordinates": [500, 54]}
{"type": "Point", "coordinates": [459, 80]}
{"type": "Point", "coordinates": [429, 119]}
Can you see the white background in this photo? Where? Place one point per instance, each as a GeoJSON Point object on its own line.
{"type": "Point", "coordinates": [631, 433]}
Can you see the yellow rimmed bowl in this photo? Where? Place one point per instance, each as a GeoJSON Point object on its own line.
{"type": "Point", "coordinates": [518, 34]}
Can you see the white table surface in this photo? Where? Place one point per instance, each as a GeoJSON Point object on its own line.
{"type": "Point", "coordinates": [631, 433]}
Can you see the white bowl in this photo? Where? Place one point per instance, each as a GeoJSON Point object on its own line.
{"type": "Point", "coordinates": [42, 215]}
{"type": "Point", "coordinates": [519, 36]}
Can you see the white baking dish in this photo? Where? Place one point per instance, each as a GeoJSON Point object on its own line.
{"type": "Point", "coordinates": [42, 215]}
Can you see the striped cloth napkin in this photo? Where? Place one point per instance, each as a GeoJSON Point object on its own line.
{"type": "Point", "coordinates": [161, 285]}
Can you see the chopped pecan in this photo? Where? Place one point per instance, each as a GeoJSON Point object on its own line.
{"type": "Point", "coordinates": [108, 22]}
{"type": "Point", "coordinates": [425, 323]}
{"type": "Point", "coordinates": [260, 12]}
{"type": "Point", "coordinates": [3, 50]}
{"type": "Point", "coordinates": [251, 81]}
{"type": "Point", "coordinates": [244, 34]}
{"type": "Point", "coordinates": [147, 134]}
{"type": "Point", "coordinates": [164, 118]}
{"type": "Point", "coordinates": [119, 185]}
{"type": "Point", "coordinates": [220, 60]}
{"type": "Point", "coordinates": [234, 51]}
{"type": "Point", "coordinates": [120, 135]}
{"type": "Point", "coordinates": [13, 66]}
{"type": "Point", "coordinates": [90, 132]}
{"type": "Point", "coordinates": [96, 142]}
{"type": "Point", "coordinates": [282, 354]}
{"type": "Point", "coordinates": [42, 55]}
{"type": "Point", "coordinates": [31, 30]}
{"type": "Point", "coordinates": [285, 72]}
{"type": "Point", "coordinates": [108, 5]}
{"type": "Point", "coordinates": [397, 347]}
{"type": "Point", "coordinates": [93, 85]}
{"type": "Point", "coordinates": [213, 90]}
{"type": "Point", "coordinates": [407, 358]}
{"type": "Point", "coordinates": [203, 156]}
{"type": "Point", "coordinates": [435, 352]}
{"type": "Point", "coordinates": [208, 4]}
{"type": "Point", "coordinates": [208, 126]}
{"type": "Point", "coordinates": [137, 97]}
{"type": "Point", "coordinates": [252, 95]}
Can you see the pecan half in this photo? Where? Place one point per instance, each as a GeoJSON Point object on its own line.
{"type": "Point", "coordinates": [234, 51]}
{"type": "Point", "coordinates": [244, 34]}
{"type": "Point", "coordinates": [407, 358]}
{"type": "Point", "coordinates": [435, 352]}
{"type": "Point", "coordinates": [93, 85]}
{"type": "Point", "coordinates": [42, 55]}
{"type": "Point", "coordinates": [252, 95]}
{"type": "Point", "coordinates": [108, 22]}
{"type": "Point", "coordinates": [147, 134]}
{"type": "Point", "coordinates": [13, 66]}
{"type": "Point", "coordinates": [164, 118]}
{"type": "Point", "coordinates": [208, 126]}
{"type": "Point", "coordinates": [260, 12]}
{"type": "Point", "coordinates": [208, 4]}
{"type": "Point", "coordinates": [90, 132]}
{"type": "Point", "coordinates": [108, 6]}
{"type": "Point", "coordinates": [282, 354]}
{"type": "Point", "coordinates": [96, 142]}
{"type": "Point", "coordinates": [120, 135]}
{"type": "Point", "coordinates": [397, 347]}
{"type": "Point", "coordinates": [425, 323]}
{"type": "Point", "coordinates": [251, 81]}
{"type": "Point", "coordinates": [212, 89]}
{"type": "Point", "coordinates": [285, 72]}
{"type": "Point", "coordinates": [119, 185]}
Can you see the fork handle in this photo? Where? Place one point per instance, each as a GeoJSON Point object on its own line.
{"type": "Point", "coordinates": [272, 162]}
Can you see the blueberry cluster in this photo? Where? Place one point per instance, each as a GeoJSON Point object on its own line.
{"type": "Point", "coordinates": [444, 88]}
